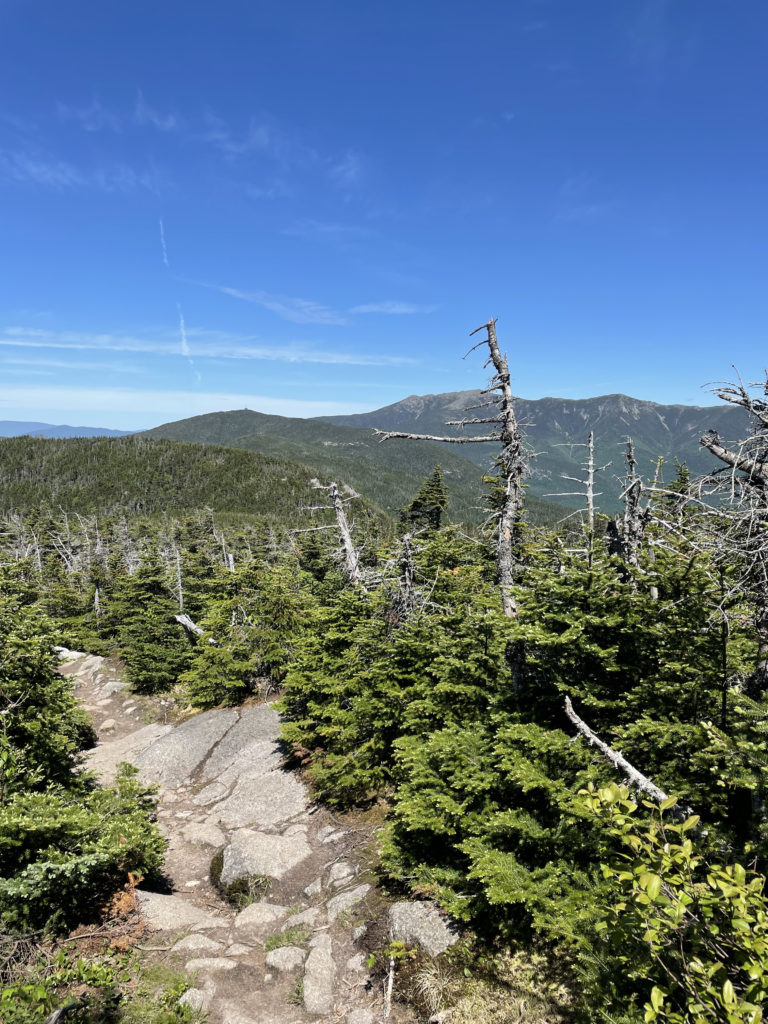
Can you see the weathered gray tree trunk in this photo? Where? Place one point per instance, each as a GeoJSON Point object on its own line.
{"type": "Point", "coordinates": [351, 558]}
{"type": "Point", "coordinates": [748, 486]}
{"type": "Point", "coordinates": [349, 554]}
{"type": "Point", "coordinates": [627, 535]}
{"type": "Point", "coordinates": [588, 483]}
{"type": "Point", "coordinates": [511, 463]}
{"type": "Point", "coordinates": [179, 584]}
{"type": "Point", "coordinates": [635, 518]}
{"type": "Point", "coordinates": [407, 584]}
{"type": "Point", "coordinates": [188, 624]}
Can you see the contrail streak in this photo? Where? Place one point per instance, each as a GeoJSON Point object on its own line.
{"type": "Point", "coordinates": [185, 350]}
{"type": "Point", "coordinates": [162, 245]}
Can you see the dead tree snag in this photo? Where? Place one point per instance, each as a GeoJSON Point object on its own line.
{"type": "Point", "coordinates": [510, 462]}
{"type": "Point", "coordinates": [349, 554]}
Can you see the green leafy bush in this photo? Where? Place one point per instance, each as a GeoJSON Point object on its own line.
{"type": "Point", "coordinates": [686, 932]}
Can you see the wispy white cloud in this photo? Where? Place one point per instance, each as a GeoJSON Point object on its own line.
{"type": "Point", "coordinates": [396, 308]}
{"type": "Point", "coordinates": [208, 344]}
{"type": "Point", "coordinates": [277, 189]}
{"type": "Point", "coordinates": [262, 135]}
{"type": "Point", "coordinates": [16, 372]}
{"type": "Point", "coordinates": [308, 228]}
{"type": "Point", "coordinates": [279, 143]}
{"type": "Point", "coordinates": [24, 126]}
{"type": "Point", "coordinates": [121, 178]}
{"type": "Point", "coordinates": [145, 115]}
{"type": "Point", "coordinates": [258, 136]}
{"type": "Point", "coordinates": [74, 366]}
{"type": "Point", "coordinates": [298, 311]}
{"type": "Point", "coordinates": [38, 168]}
{"type": "Point", "coordinates": [584, 213]}
{"type": "Point", "coordinates": [92, 118]}
{"type": "Point", "coordinates": [649, 36]}
{"type": "Point", "coordinates": [582, 200]}
{"type": "Point", "coordinates": [132, 408]}
{"type": "Point", "coordinates": [659, 43]}
{"type": "Point", "coordinates": [347, 170]}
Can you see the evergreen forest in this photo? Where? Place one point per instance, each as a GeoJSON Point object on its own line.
{"type": "Point", "coordinates": [562, 727]}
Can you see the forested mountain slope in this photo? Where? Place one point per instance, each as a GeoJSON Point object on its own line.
{"type": "Point", "coordinates": [667, 431]}
{"type": "Point", "coordinates": [148, 476]}
{"type": "Point", "coordinates": [387, 474]}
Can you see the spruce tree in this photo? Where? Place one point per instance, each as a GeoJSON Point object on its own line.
{"type": "Point", "coordinates": [428, 507]}
{"type": "Point", "coordinates": [155, 648]}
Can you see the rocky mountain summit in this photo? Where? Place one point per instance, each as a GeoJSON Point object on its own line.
{"type": "Point", "coordinates": [288, 945]}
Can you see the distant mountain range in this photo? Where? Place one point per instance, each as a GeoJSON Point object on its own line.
{"type": "Point", "coordinates": [389, 473]}
{"type": "Point", "coordinates": [552, 425]}
{"type": "Point", "coordinates": [20, 428]}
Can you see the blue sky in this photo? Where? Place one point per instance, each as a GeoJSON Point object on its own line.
{"type": "Point", "coordinates": [305, 207]}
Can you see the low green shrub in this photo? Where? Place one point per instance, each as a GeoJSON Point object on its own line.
{"type": "Point", "coordinates": [100, 989]}
{"type": "Point", "coordinates": [62, 852]}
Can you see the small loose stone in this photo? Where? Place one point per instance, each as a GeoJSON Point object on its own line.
{"type": "Point", "coordinates": [307, 917]}
{"type": "Point", "coordinates": [346, 900]}
{"type": "Point", "coordinates": [340, 873]}
{"type": "Point", "coordinates": [334, 837]}
{"type": "Point", "coordinates": [194, 998]}
{"type": "Point", "coordinates": [295, 830]}
{"type": "Point", "coordinates": [237, 949]}
{"type": "Point", "coordinates": [361, 1016]}
{"type": "Point", "coordinates": [356, 963]}
{"type": "Point", "coordinates": [314, 888]}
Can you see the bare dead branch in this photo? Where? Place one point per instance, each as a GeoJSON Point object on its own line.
{"type": "Point", "coordinates": [754, 469]}
{"type": "Point", "coordinates": [465, 423]}
{"type": "Point", "coordinates": [634, 778]}
{"type": "Point", "coordinates": [385, 435]}
{"type": "Point", "coordinates": [482, 327]}
{"type": "Point", "coordinates": [185, 621]}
